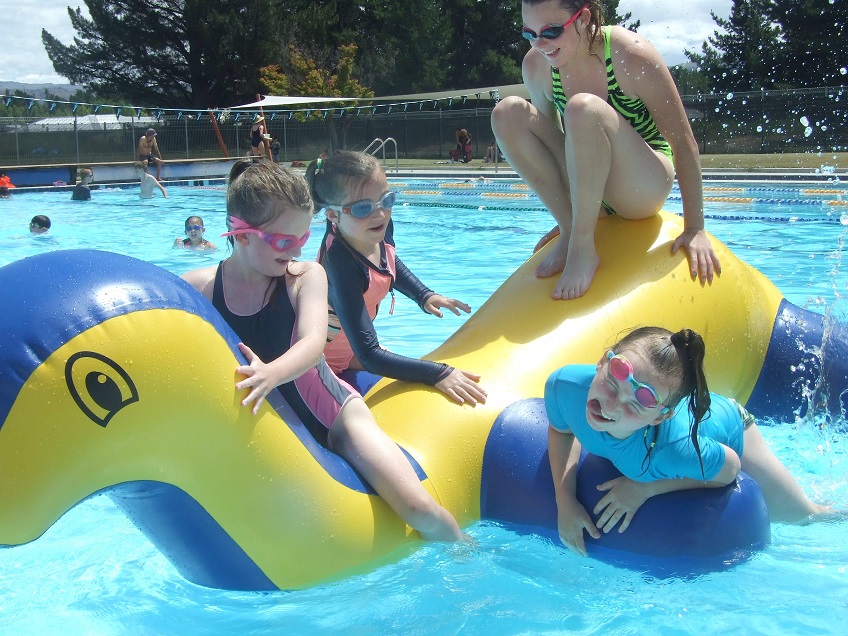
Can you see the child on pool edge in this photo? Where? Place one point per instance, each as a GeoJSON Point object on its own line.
{"type": "Point", "coordinates": [633, 423]}
{"type": "Point", "coordinates": [358, 253]}
{"type": "Point", "coordinates": [194, 240]}
{"type": "Point", "coordinates": [278, 307]}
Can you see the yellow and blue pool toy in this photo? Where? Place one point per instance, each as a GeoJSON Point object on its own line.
{"type": "Point", "coordinates": [117, 378]}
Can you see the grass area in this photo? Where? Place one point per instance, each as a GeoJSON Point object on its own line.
{"type": "Point", "coordinates": [787, 161]}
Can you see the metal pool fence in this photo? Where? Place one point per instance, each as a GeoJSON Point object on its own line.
{"type": "Point", "coordinates": [808, 120]}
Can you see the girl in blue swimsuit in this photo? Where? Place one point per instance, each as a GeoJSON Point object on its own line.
{"type": "Point", "coordinates": [626, 409]}
{"type": "Point", "coordinates": [278, 307]}
{"type": "Point", "coordinates": [598, 137]}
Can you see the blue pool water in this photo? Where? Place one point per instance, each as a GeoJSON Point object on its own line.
{"type": "Point", "coordinates": [94, 573]}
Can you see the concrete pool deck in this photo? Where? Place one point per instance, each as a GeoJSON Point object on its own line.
{"type": "Point", "coordinates": [197, 172]}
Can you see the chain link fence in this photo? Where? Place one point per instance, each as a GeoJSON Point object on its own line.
{"type": "Point", "coordinates": [810, 120]}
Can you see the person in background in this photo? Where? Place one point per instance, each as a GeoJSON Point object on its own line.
{"type": "Point", "coordinates": [147, 181]}
{"type": "Point", "coordinates": [5, 185]}
{"type": "Point", "coordinates": [147, 146]}
{"type": "Point", "coordinates": [490, 153]}
{"type": "Point", "coordinates": [463, 145]}
{"type": "Point", "coordinates": [275, 149]}
{"type": "Point", "coordinates": [39, 224]}
{"type": "Point", "coordinates": [194, 240]}
{"type": "Point", "coordinates": [82, 191]}
{"type": "Point", "coordinates": [259, 138]}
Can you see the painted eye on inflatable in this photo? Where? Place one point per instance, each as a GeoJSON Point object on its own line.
{"type": "Point", "coordinates": [99, 386]}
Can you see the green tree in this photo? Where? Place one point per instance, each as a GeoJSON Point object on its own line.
{"type": "Point", "coordinates": [611, 16]}
{"type": "Point", "coordinates": [815, 46]}
{"type": "Point", "coordinates": [409, 47]}
{"type": "Point", "coordinates": [484, 41]}
{"type": "Point", "coordinates": [303, 76]}
{"type": "Point", "coordinates": [689, 81]}
{"type": "Point", "coordinates": [747, 54]}
{"type": "Point", "coordinates": [178, 53]}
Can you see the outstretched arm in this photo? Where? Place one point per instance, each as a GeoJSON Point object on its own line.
{"type": "Point", "coordinates": [625, 496]}
{"type": "Point", "coordinates": [572, 518]}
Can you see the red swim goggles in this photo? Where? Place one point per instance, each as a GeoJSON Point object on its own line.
{"type": "Point", "coordinates": [645, 394]}
{"type": "Point", "coordinates": [551, 31]}
{"type": "Point", "coordinates": [280, 242]}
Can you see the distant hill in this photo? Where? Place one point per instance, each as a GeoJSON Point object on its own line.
{"type": "Point", "coordinates": [62, 91]}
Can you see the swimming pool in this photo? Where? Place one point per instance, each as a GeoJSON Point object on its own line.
{"type": "Point", "coordinates": [94, 573]}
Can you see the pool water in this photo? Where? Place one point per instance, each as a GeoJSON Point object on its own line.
{"type": "Point", "coordinates": [94, 573]}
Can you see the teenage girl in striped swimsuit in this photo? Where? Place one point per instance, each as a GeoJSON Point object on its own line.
{"type": "Point", "coordinates": [604, 134]}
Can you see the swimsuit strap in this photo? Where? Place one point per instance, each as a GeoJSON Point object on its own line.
{"type": "Point", "coordinates": [633, 110]}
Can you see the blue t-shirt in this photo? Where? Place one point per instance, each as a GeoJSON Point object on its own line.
{"type": "Point", "coordinates": [673, 456]}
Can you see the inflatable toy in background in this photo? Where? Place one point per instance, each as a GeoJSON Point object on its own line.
{"type": "Point", "coordinates": [101, 394]}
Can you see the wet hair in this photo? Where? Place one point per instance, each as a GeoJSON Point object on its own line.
{"type": "Point", "coordinates": [678, 357]}
{"type": "Point", "coordinates": [331, 179]}
{"type": "Point", "coordinates": [194, 220]}
{"type": "Point", "coordinates": [260, 192]}
{"type": "Point", "coordinates": [41, 221]}
{"type": "Point", "coordinates": [138, 165]}
{"type": "Point", "coordinates": [596, 10]}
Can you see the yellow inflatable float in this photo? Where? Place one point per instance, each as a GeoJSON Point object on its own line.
{"type": "Point", "coordinates": [118, 378]}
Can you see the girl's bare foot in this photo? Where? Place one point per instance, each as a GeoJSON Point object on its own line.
{"type": "Point", "coordinates": [578, 273]}
{"type": "Point", "coordinates": [555, 260]}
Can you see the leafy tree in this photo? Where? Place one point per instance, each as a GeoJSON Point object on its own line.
{"type": "Point", "coordinates": [611, 15]}
{"type": "Point", "coordinates": [306, 77]}
{"type": "Point", "coordinates": [747, 54]}
{"type": "Point", "coordinates": [485, 44]}
{"type": "Point", "coordinates": [689, 80]}
{"type": "Point", "coordinates": [409, 47]}
{"type": "Point", "coordinates": [815, 47]}
{"type": "Point", "coordinates": [183, 53]}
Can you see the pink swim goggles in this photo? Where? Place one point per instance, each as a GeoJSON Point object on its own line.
{"type": "Point", "coordinates": [280, 242]}
{"type": "Point", "coordinates": [622, 370]}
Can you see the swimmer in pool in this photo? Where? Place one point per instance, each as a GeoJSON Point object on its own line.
{"type": "Point", "coordinates": [39, 224]}
{"type": "Point", "coordinates": [147, 181]}
{"type": "Point", "coordinates": [194, 240]}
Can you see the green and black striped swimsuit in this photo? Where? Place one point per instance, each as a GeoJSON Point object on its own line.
{"type": "Point", "coordinates": [634, 111]}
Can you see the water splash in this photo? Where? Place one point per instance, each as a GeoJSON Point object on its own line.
{"type": "Point", "coordinates": [820, 407]}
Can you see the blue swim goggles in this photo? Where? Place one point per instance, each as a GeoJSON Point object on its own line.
{"type": "Point", "coordinates": [365, 208]}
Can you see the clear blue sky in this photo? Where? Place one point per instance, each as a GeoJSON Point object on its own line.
{"type": "Point", "coordinates": [671, 25]}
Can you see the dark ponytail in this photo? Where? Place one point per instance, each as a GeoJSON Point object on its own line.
{"type": "Point", "coordinates": [691, 349]}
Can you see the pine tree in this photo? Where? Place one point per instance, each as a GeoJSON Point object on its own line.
{"type": "Point", "coordinates": [815, 46]}
{"type": "Point", "coordinates": [191, 53]}
{"type": "Point", "coordinates": [746, 55]}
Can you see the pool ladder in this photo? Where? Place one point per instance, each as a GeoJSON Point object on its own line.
{"type": "Point", "coordinates": [380, 144]}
